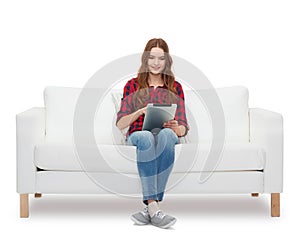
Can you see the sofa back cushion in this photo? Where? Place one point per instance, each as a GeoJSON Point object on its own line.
{"type": "Point", "coordinates": [60, 103]}
{"type": "Point", "coordinates": [201, 109]}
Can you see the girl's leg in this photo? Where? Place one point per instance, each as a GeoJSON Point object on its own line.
{"type": "Point", "coordinates": [165, 152]}
{"type": "Point", "coordinates": [146, 162]}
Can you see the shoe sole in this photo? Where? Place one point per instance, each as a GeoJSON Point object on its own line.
{"type": "Point", "coordinates": [140, 223]}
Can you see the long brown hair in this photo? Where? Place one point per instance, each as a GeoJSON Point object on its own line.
{"type": "Point", "coordinates": [167, 75]}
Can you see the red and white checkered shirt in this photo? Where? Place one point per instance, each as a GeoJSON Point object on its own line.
{"type": "Point", "coordinates": [157, 95]}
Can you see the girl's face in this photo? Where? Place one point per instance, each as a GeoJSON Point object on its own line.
{"type": "Point", "coordinates": [156, 60]}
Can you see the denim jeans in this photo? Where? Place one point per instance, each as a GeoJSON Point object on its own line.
{"type": "Point", "coordinates": [155, 159]}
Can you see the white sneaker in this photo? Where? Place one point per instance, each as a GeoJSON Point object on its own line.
{"type": "Point", "coordinates": [162, 220]}
{"type": "Point", "coordinates": [141, 218]}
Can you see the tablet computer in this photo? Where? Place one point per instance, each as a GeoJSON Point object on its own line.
{"type": "Point", "coordinates": [157, 114]}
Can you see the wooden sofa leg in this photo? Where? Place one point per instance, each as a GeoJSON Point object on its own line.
{"type": "Point", "coordinates": [37, 195]}
{"type": "Point", "coordinates": [275, 204]}
{"type": "Point", "coordinates": [24, 209]}
{"type": "Point", "coordinates": [254, 194]}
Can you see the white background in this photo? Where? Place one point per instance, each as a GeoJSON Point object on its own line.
{"type": "Point", "coordinates": [63, 43]}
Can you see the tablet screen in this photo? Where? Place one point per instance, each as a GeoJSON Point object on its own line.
{"type": "Point", "coordinates": [157, 114]}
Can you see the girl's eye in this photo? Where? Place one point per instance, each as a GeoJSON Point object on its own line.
{"type": "Point", "coordinates": [162, 58]}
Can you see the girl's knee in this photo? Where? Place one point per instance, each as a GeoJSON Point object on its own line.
{"type": "Point", "coordinates": [169, 134]}
{"type": "Point", "coordinates": [144, 138]}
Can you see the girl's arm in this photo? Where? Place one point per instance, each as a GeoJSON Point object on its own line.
{"type": "Point", "coordinates": [130, 118]}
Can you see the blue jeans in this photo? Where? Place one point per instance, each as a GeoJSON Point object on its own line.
{"type": "Point", "coordinates": [155, 159]}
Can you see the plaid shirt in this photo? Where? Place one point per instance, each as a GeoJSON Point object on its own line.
{"type": "Point", "coordinates": [157, 95]}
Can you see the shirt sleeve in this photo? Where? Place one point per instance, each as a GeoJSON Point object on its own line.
{"type": "Point", "coordinates": [180, 115]}
{"type": "Point", "coordinates": [126, 101]}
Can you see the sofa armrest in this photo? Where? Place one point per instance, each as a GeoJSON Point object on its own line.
{"type": "Point", "coordinates": [266, 130]}
{"type": "Point", "coordinates": [30, 127]}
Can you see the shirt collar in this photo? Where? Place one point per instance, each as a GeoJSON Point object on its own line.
{"type": "Point", "coordinates": [164, 86]}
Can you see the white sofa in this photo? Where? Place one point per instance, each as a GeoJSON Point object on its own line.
{"type": "Point", "coordinates": [51, 160]}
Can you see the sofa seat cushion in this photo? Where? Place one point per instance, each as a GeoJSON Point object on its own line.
{"type": "Point", "coordinates": [122, 158]}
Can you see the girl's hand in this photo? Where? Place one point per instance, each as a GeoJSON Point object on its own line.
{"type": "Point", "coordinates": [142, 111]}
{"type": "Point", "coordinates": [173, 124]}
